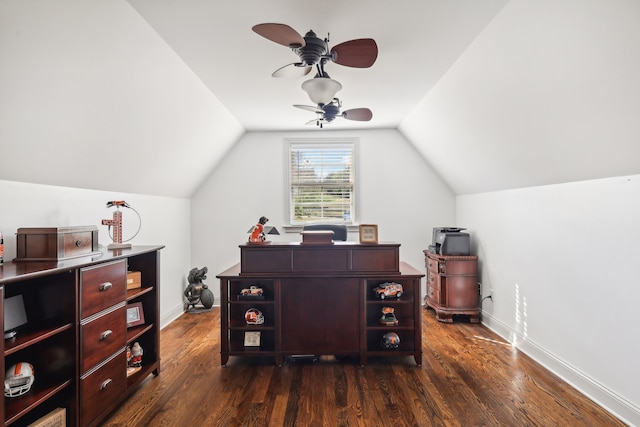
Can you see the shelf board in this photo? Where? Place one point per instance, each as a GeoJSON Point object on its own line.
{"type": "Point", "coordinates": [29, 338]}
{"type": "Point", "coordinates": [135, 293]}
{"type": "Point", "coordinates": [136, 331]}
{"type": "Point", "coordinates": [143, 373]}
{"type": "Point", "coordinates": [16, 407]}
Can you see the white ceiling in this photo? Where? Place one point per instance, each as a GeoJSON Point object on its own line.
{"type": "Point", "coordinates": [418, 40]}
{"type": "Point", "coordinates": [147, 96]}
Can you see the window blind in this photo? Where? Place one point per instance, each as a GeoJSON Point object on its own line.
{"type": "Point", "coordinates": [321, 178]}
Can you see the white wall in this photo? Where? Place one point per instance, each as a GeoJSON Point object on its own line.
{"type": "Point", "coordinates": [165, 221]}
{"type": "Point", "coordinates": [397, 190]}
{"type": "Point", "coordinates": [563, 263]}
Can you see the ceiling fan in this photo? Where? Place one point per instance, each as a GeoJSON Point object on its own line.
{"type": "Point", "coordinates": [314, 51]}
{"type": "Point", "coordinates": [326, 113]}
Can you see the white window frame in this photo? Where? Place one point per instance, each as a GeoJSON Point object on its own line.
{"type": "Point", "coordinates": [316, 143]}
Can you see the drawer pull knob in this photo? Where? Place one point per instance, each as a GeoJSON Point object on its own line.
{"type": "Point", "coordinates": [106, 334]}
{"type": "Point", "coordinates": [106, 286]}
{"type": "Point", "coordinates": [78, 243]}
{"type": "Point", "coordinates": [105, 383]}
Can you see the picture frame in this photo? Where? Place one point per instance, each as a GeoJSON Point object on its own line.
{"type": "Point", "coordinates": [252, 339]}
{"type": "Point", "coordinates": [368, 233]}
{"type": "Point", "coordinates": [135, 314]}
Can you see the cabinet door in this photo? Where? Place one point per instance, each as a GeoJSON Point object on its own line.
{"type": "Point", "coordinates": [461, 292]}
{"type": "Point", "coordinates": [320, 315]}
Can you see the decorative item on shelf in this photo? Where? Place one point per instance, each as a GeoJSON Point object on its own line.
{"type": "Point", "coordinates": [368, 233]}
{"type": "Point", "coordinates": [390, 340]}
{"type": "Point", "coordinates": [135, 315]}
{"type": "Point", "coordinates": [116, 223]}
{"type": "Point", "coordinates": [15, 315]}
{"type": "Point", "coordinates": [252, 292]}
{"type": "Point", "coordinates": [259, 232]}
{"type": "Point", "coordinates": [55, 418]}
{"type": "Point", "coordinates": [252, 339]}
{"type": "Point", "coordinates": [18, 379]}
{"type": "Point", "coordinates": [253, 316]}
{"type": "Point", "coordinates": [388, 317]}
{"type": "Point", "coordinates": [134, 279]}
{"type": "Point", "coordinates": [197, 292]}
{"type": "Point", "coordinates": [388, 289]}
{"type": "Point", "coordinates": [55, 244]}
{"type": "Point", "coordinates": [134, 356]}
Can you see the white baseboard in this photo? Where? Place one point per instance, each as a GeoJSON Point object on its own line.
{"type": "Point", "coordinates": [608, 399]}
{"type": "Point", "coordinates": [171, 315]}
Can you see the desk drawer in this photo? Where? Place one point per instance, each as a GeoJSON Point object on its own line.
{"type": "Point", "coordinates": [103, 387]}
{"type": "Point", "coordinates": [102, 337]}
{"type": "Point", "coordinates": [102, 286]}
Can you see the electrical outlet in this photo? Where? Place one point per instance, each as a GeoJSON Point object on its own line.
{"type": "Point", "coordinates": [491, 293]}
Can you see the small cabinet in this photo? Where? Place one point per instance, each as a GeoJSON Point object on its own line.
{"type": "Point", "coordinates": [452, 286]}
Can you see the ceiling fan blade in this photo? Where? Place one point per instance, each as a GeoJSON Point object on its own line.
{"type": "Point", "coordinates": [292, 70]}
{"type": "Point", "coordinates": [309, 108]}
{"type": "Point", "coordinates": [359, 53]}
{"type": "Point", "coordinates": [280, 33]}
{"type": "Point", "coordinates": [359, 114]}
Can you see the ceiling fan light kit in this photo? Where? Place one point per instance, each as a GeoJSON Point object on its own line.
{"type": "Point", "coordinates": [321, 90]}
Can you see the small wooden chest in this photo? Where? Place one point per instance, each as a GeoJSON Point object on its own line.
{"type": "Point", "coordinates": [317, 237]}
{"type": "Point", "coordinates": [56, 243]}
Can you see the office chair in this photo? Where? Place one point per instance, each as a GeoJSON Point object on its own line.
{"type": "Point", "coordinates": [339, 230]}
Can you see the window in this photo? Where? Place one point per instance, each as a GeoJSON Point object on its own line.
{"type": "Point", "coordinates": [321, 181]}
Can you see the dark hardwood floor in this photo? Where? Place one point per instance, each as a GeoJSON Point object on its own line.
{"type": "Point", "coordinates": [469, 377]}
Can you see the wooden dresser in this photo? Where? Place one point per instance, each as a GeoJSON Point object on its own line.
{"type": "Point", "coordinates": [318, 299]}
{"type": "Point", "coordinates": [76, 335]}
{"type": "Point", "coordinates": [452, 286]}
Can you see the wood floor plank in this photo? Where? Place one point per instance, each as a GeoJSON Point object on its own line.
{"type": "Point", "coordinates": [469, 377]}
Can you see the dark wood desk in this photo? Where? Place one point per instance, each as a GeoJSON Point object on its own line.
{"type": "Point", "coordinates": [319, 300]}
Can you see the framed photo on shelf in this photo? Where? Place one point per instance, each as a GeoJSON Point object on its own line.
{"type": "Point", "coordinates": [135, 315]}
{"type": "Point", "coordinates": [252, 339]}
{"type": "Point", "coordinates": [368, 233]}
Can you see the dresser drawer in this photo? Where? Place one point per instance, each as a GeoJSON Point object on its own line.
{"type": "Point", "coordinates": [101, 337]}
{"type": "Point", "coordinates": [433, 293]}
{"type": "Point", "coordinates": [102, 286]}
{"type": "Point", "coordinates": [102, 387]}
{"type": "Point", "coordinates": [432, 265]}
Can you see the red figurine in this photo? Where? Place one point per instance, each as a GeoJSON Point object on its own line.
{"type": "Point", "coordinates": [257, 234]}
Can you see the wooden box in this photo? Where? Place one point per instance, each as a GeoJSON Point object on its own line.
{"type": "Point", "coordinates": [56, 243]}
{"type": "Point", "coordinates": [319, 237]}
{"type": "Point", "coordinates": [134, 280]}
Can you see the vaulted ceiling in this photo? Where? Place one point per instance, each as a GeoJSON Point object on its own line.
{"type": "Point", "coordinates": [495, 94]}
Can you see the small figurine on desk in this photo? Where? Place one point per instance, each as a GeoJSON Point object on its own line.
{"type": "Point", "coordinates": [257, 234]}
{"type": "Point", "coordinates": [136, 356]}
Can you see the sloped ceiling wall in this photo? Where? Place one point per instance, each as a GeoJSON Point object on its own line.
{"type": "Point", "coordinates": [548, 93]}
{"type": "Point", "coordinates": [93, 97]}
{"type": "Point", "coordinates": [84, 105]}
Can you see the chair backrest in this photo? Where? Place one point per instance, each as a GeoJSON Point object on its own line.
{"type": "Point", "coordinates": [339, 230]}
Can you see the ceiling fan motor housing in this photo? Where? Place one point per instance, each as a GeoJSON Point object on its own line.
{"type": "Point", "coordinates": [314, 49]}
{"type": "Point", "coordinates": [331, 111]}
